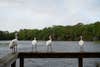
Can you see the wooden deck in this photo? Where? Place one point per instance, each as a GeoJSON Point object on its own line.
{"type": "Point", "coordinates": [10, 59]}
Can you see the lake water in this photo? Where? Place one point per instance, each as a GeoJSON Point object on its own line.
{"type": "Point", "coordinates": [58, 46]}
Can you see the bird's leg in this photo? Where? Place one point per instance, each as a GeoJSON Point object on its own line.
{"type": "Point", "coordinates": [12, 50]}
{"type": "Point", "coordinates": [16, 48]}
{"type": "Point", "coordinates": [47, 48]}
{"type": "Point", "coordinates": [81, 48]}
{"type": "Point", "coordinates": [51, 47]}
{"type": "Point", "coordinates": [36, 48]}
{"type": "Point", "coordinates": [32, 48]}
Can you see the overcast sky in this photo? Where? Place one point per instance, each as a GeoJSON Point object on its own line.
{"type": "Point", "coordinates": [30, 14]}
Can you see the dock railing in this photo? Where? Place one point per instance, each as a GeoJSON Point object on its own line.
{"type": "Point", "coordinates": [22, 55]}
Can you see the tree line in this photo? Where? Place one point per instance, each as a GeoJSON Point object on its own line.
{"type": "Point", "coordinates": [89, 32]}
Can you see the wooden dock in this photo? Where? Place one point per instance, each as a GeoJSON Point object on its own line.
{"type": "Point", "coordinates": [10, 59]}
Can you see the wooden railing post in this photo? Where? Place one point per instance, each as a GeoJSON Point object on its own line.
{"type": "Point", "coordinates": [21, 62]}
{"type": "Point", "coordinates": [13, 64]}
{"type": "Point", "coordinates": [80, 61]}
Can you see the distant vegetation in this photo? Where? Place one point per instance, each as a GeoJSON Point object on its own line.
{"type": "Point", "coordinates": [89, 32]}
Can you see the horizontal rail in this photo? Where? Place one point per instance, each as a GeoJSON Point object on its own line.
{"type": "Point", "coordinates": [59, 54]}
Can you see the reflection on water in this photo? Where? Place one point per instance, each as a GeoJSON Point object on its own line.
{"type": "Point", "coordinates": [52, 62]}
{"type": "Point", "coordinates": [58, 46]}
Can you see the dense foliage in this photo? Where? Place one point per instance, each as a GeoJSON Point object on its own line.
{"type": "Point", "coordinates": [89, 32]}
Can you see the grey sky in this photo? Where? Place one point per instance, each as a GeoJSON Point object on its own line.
{"type": "Point", "coordinates": [30, 14]}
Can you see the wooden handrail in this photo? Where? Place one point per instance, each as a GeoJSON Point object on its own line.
{"type": "Point", "coordinates": [59, 54]}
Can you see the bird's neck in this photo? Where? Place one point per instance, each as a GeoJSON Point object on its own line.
{"type": "Point", "coordinates": [50, 39]}
{"type": "Point", "coordinates": [81, 39]}
{"type": "Point", "coordinates": [16, 37]}
{"type": "Point", "coordinates": [34, 39]}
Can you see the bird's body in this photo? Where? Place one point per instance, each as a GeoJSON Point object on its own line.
{"type": "Point", "coordinates": [81, 43]}
{"type": "Point", "coordinates": [34, 43]}
{"type": "Point", "coordinates": [13, 44]}
{"type": "Point", "coordinates": [49, 43]}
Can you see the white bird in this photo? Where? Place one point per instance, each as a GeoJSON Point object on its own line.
{"type": "Point", "coordinates": [13, 44]}
{"type": "Point", "coordinates": [49, 43]}
{"type": "Point", "coordinates": [81, 42]}
{"type": "Point", "coordinates": [34, 43]}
